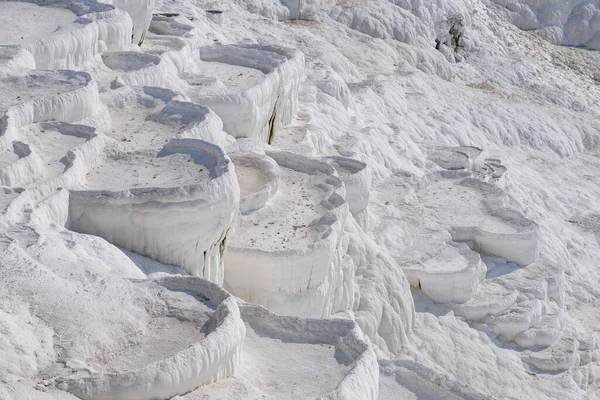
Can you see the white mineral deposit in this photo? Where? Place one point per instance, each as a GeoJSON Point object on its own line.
{"type": "Point", "coordinates": [299, 199]}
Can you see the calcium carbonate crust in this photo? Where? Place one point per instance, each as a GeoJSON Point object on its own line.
{"type": "Point", "coordinates": [98, 27]}
{"type": "Point", "coordinates": [258, 195]}
{"type": "Point", "coordinates": [361, 381]}
{"type": "Point", "coordinates": [262, 110]}
{"type": "Point", "coordinates": [314, 267]}
{"type": "Point", "coordinates": [380, 70]}
{"type": "Point", "coordinates": [213, 358]}
{"type": "Point", "coordinates": [160, 222]}
{"type": "Point", "coordinates": [520, 246]}
{"type": "Point", "coordinates": [75, 98]}
{"type": "Point", "coordinates": [357, 180]}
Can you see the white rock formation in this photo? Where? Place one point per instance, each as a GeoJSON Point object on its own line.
{"type": "Point", "coordinates": [39, 96]}
{"type": "Point", "coordinates": [457, 158]}
{"type": "Point", "coordinates": [293, 265]}
{"type": "Point", "coordinates": [508, 234]}
{"type": "Point", "coordinates": [258, 178]}
{"type": "Point", "coordinates": [21, 165]}
{"type": "Point", "coordinates": [357, 180]}
{"type": "Point", "coordinates": [149, 117]}
{"type": "Point", "coordinates": [332, 360]}
{"type": "Point", "coordinates": [573, 23]}
{"type": "Point", "coordinates": [67, 35]}
{"type": "Point", "coordinates": [138, 69]}
{"type": "Point", "coordinates": [267, 105]}
{"type": "Point", "coordinates": [157, 211]}
{"type": "Point", "coordinates": [439, 146]}
{"type": "Point", "coordinates": [140, 12]}
{"type": "Point", "coordinates": [214, 357]}
{"type": "Point", "coordinates": [440, 263]}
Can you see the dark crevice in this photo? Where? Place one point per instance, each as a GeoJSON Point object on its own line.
{"type": "Point", "coordinates": [272, 122]}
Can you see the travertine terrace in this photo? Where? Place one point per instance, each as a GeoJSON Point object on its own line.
{"type": "Point", "coordinates": [299, 199]}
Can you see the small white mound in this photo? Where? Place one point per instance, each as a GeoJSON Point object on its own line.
{"type": "Point", "coordinates": [258, 179]}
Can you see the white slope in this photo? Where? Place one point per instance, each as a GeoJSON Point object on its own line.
{"type": "Point", "coordinates": [435, 144]}
{"type": "Point", "coordinates": [406, 379]}
{"type": "Point", "coordinates": [574, 22]}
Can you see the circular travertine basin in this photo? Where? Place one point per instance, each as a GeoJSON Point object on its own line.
{"type": "Point", "coordinates": [331, 361]}
{"type": "Point", "coordinates": [175, 206]}
{"type": "Point", "coordinates": [22, 22]}
{"type": "Point", "coordinates": [258, 179]}
{"type": "Point", "coordinates": [197, 339]}
{"type": "Point", "coordinates": [283, 255]}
